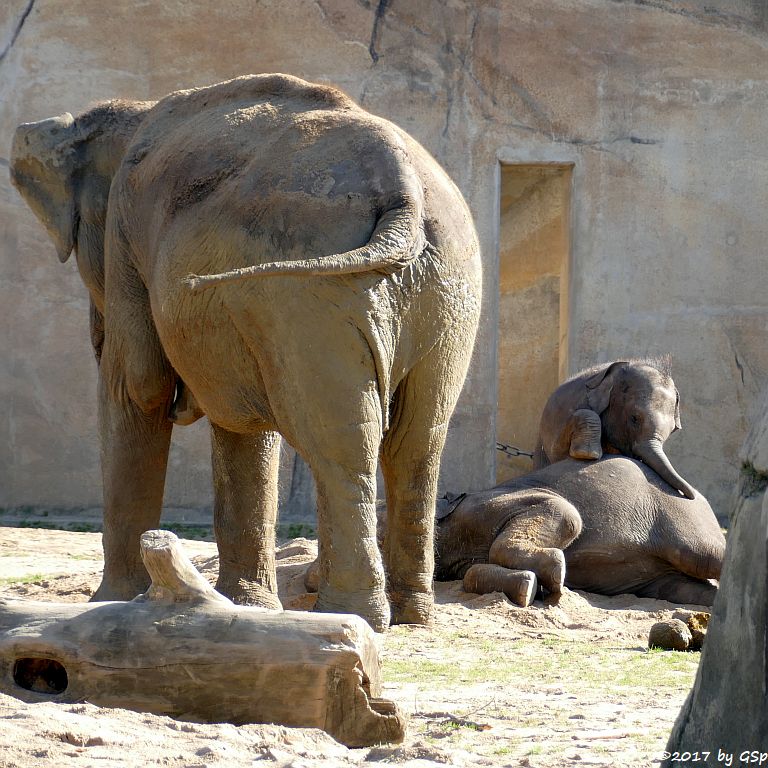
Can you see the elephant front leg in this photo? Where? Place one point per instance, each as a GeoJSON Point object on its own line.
{"type": "Point", "coordinates": [584, 430]}
{"type": "Point", "coordinates": [245, 472]}
{"type": "Point", "coordinates": [134, 454]}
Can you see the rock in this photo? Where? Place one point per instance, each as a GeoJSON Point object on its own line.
{"type": "Point", "coordinates": [697, 622]}
{"type": "Point", "coordinates": [671, 635]}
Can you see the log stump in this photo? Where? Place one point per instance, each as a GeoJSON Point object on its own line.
{"type": "Point", "coordinates": [183, 650]}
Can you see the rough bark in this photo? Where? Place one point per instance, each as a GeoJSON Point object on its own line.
{"type": "Point", "coordinates": [726, 713]}
{"type": "Point", "coordinates": [183, 650]}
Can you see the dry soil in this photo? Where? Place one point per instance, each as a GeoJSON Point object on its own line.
{"type": "Point", "coordinates": [490, 684]}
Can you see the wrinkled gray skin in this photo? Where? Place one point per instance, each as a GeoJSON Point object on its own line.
{"type": "Point", "coordinates": [621, 527]}
{"type": "Point", "coordinates": [349, 331]}
{"type": "Point", "coordinates": [626, 407]}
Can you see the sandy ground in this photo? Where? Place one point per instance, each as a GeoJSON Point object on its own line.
{"type": "Point", "coordinates": [489, 684]}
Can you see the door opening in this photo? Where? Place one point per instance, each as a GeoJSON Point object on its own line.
{"type": "Point", "coordinates": [534, 247]}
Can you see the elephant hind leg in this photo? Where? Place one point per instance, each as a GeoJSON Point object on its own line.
{"type": "Point", "coordinates": [519, 586]}
{"type": "Point", "coordinates": [410, 460]}
{"type": "Point", "coordinates": [534, 539]}
{"type": "Point", "coordinates": [245, 470]}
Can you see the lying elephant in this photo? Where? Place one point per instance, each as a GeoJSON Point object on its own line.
{"type": "Point", "coordinates": [626, 407]}
{"type": "Point", "coordinates": [621, 527]}
{"type": "Point", "coordinates": [349, 331]}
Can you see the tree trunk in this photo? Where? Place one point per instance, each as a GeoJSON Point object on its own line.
{"type": "Point", "coordinates": [726, 713]}
{"type": "Point", "coordinates": [183, 650]}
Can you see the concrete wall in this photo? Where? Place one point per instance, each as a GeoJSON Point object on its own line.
{"type": "Point", "coordinates": [660, 107]}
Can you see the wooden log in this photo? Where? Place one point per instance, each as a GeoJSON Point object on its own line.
{"type": "Point", "coordinates": [183, 650]}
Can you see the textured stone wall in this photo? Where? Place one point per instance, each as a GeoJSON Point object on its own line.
{"type": "Point", "coordinates": [660, 106]}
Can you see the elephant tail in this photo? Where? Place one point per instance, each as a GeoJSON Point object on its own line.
{"type": "Point", "coordinates": [396, 241]}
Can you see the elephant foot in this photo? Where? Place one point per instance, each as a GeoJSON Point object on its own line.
{"type": "Point", "coordinates": [412, 607]}
{"type": "Point", "coordinates": [585, 452]}
{"type": "Point", "coordinates": [244, 592]}
{"type": "Point", "coordinates": [119, 590]}
{"type": "Point", "coordinates": [551, 569]}
{"type": "Point", "coordinates": [519, 586]}
{"type": "Point", "coordinates": [371, 605]}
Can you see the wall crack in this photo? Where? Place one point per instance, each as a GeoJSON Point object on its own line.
{"type": "Point", "coordinates": [381, 11]}
{"type": "Point", "coordinates": [17, 30]}
{"type": "Point", "coordinates": [703, 16]}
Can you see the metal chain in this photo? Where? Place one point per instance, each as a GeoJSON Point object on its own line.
{"type": "Point", "coordinates": [512, 450]}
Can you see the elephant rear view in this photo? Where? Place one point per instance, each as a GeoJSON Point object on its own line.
{"type": "Point", "coordinates": [308, 269]}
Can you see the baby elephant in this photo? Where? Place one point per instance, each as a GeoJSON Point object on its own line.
{"type": "Point", "coordinates": [621, 527]}
{"type": "Point", "coordinates": [627, 407]}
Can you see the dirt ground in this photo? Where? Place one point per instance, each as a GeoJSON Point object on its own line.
{"type": "Point", "coordinates": [490, 684]}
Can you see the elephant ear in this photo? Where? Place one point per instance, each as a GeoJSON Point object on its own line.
{"type": "Point", "coordinates": [600, 385]}
{"type": "Point", "coordinates": [43, 169]}
{"type": "Point", "coordinates": [678, 425]}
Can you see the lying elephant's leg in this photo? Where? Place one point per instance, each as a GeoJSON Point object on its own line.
{"type": "Point", "coordinates": [585, 431]}
{"type": "Point", "coordinates": [535, 537]}
{"type": "Point", "coordinates": [679, 588]}
{"type": "Point", "coordinates": [519, 586]}
{"type": "Point", "coordinates": [134, 454]}
{"type": "Point", "coordinates": [245, 470]}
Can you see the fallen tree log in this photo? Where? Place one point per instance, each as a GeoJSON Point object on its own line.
{"type": "Point", "coordinates": [183, 650]}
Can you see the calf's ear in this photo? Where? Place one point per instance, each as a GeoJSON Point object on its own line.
{"type": "Point", "coordinates": [600, 386]}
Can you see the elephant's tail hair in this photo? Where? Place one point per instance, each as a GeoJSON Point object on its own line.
{"type": "Point", "coordinates": [397, 239]}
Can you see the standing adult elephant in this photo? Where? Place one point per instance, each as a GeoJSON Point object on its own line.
{"type": "Point", "coordinates": [348, 331]}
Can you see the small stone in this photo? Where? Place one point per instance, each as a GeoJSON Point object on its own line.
{"type": "Point", "coordinates": [697, 624]}
{"type": "Point", "coordinates": [671, 635]}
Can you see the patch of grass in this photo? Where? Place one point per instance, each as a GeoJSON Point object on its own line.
{"type": "Point", "coordinates": [49, 525]}
{"type": "Point", "coordinates": [295, 531]}
{"type": "Point", "coordinates": [186, 531]}
{"type": "Point", "coordinates": [30, 578]}
{"type": "Point", "coordinates": [572, 664]}
{"type": "Point", "coordinates": [83, 527]}
{"type": "Point", "coordinates": [753, 482]}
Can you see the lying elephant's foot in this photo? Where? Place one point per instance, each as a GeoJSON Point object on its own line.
{"type": "Point", "coordinates": [114, 589]}
{"type": "Point", "coordinates": [519, 586]}
{"type": "Point", "coordinates": [410, 607]}
{"type": "Point", "coordinates": [551, 569]}
{"type": "Point", "coordinates": [244, 592]}
{"type": "Point", "coordinates": [372, 605]}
